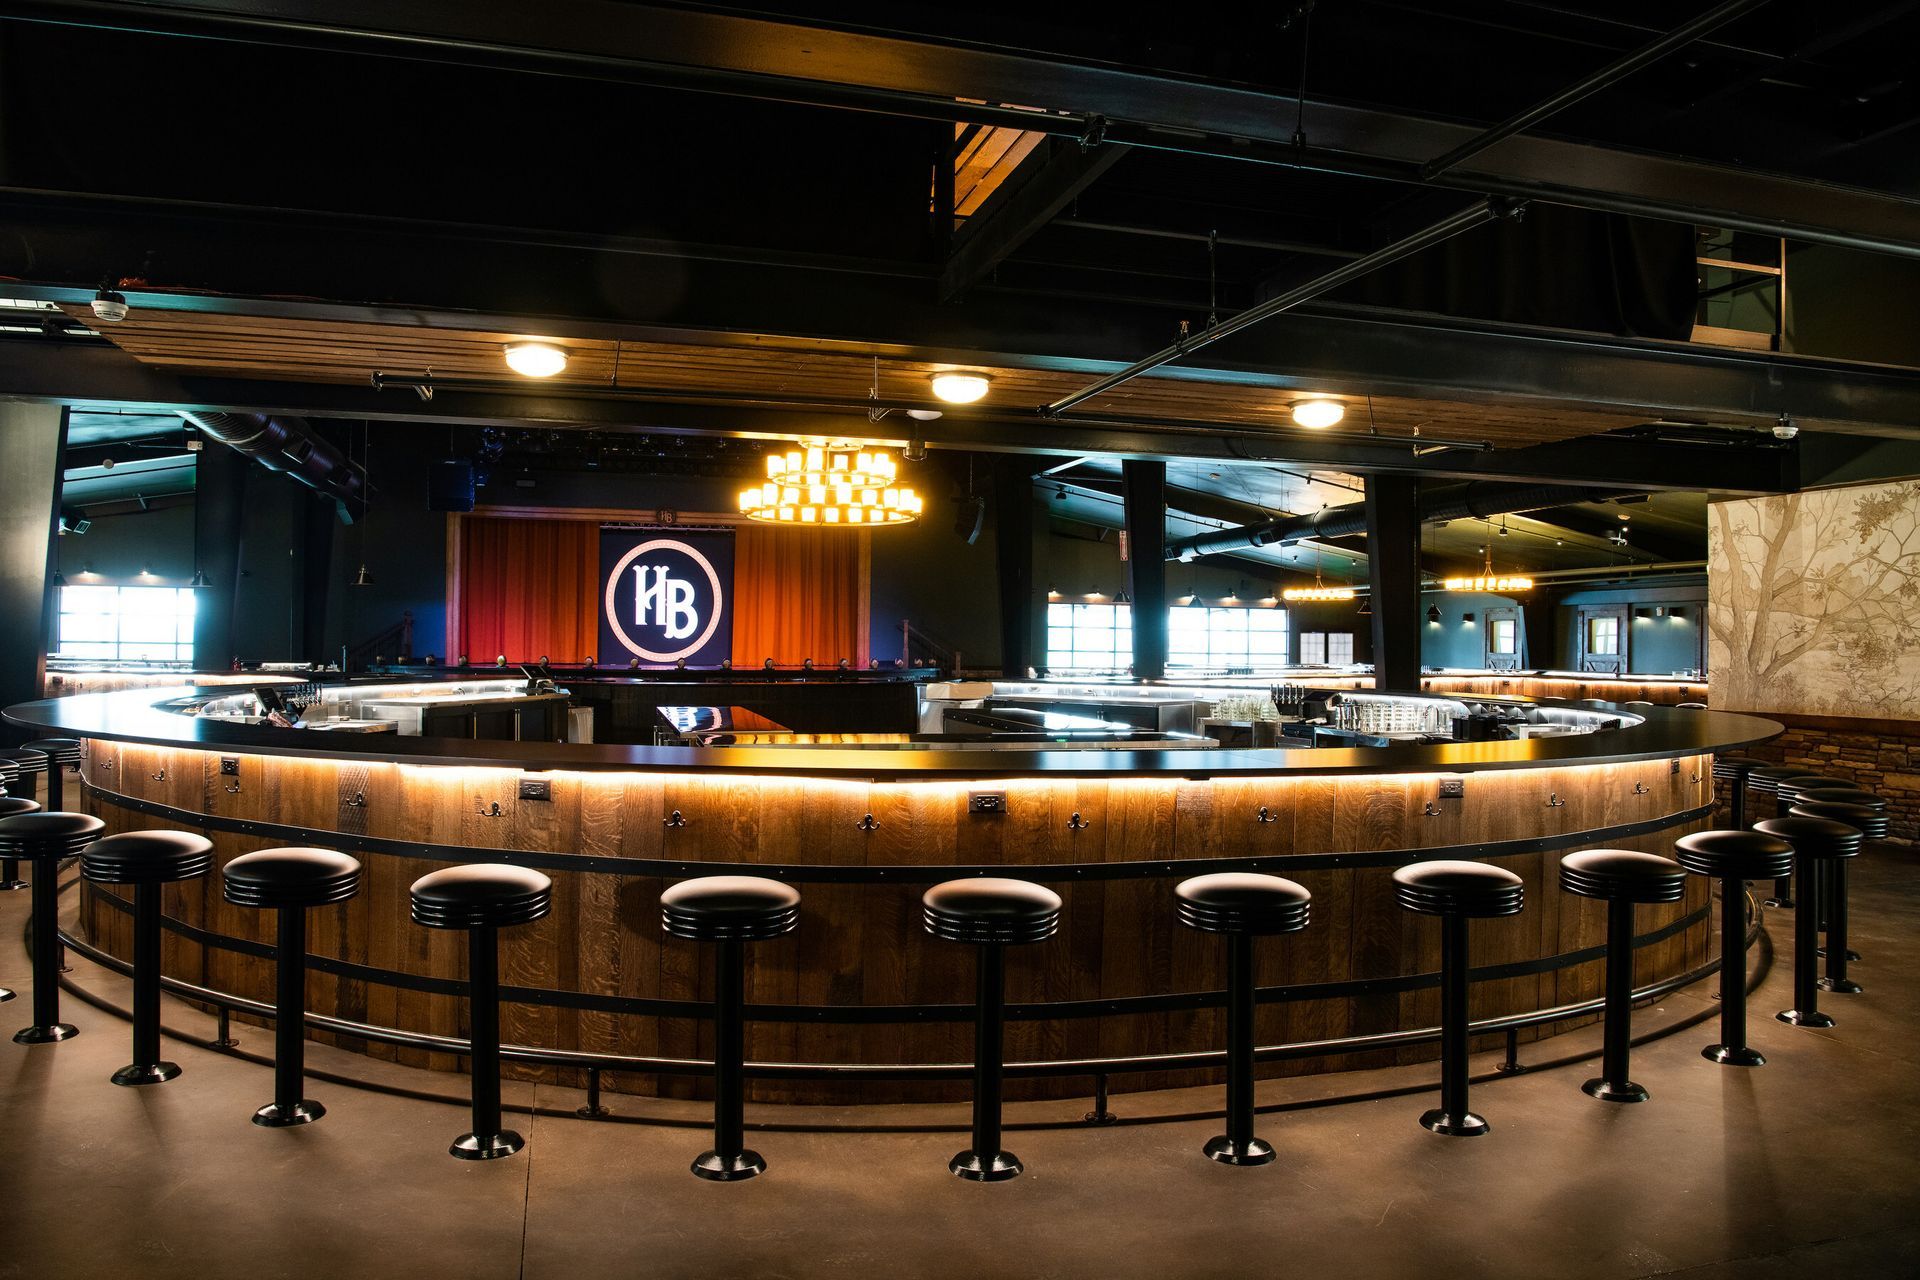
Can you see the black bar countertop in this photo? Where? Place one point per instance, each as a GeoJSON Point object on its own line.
{"type": "Point", "coordinates": [134, 716]}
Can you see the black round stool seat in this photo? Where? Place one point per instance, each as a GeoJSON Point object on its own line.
{"type": "Point", "coordinates": [1236, 902]}
{"type": "Point", "coordinates": [11, 805]}
{"type": "Point", "coordinates": [1800, 783]}
{"type": "Point", "coordinates": [480, 895]}
{"type": "Point", "coordinates": [147, 857]}
{"type": "Point", "coordinates": [729, 908]}
{"type": "Point", "coordinates": [1739, 855]}
{"type": "Point", "coordinates": [57, 750]}
{"type": "Point", "coordinates": [989, 910]}
{"type": "Point", "coordinates": [1848, 794]}
{"type": "Point", "coordinates": [1735, 767]}
{"type": "Point", "coordinates": [1870, 823]}
{"type": "Point", "coordinates": [25, 760]}
{"type": "Point", "coordinates": [1445, 888]}
{"type": "Point", "coordinates": [1623, 875]}
{"type": "Point", "coordinates": [291, 877]}
{"type": "Point", "coordinates": [1690, 706]}
{"type": "Point", "coordinates": [1814, 837]}
{"type": "Point", "coordinates": [1767, 777]}
{"type": "Point", "coordinates": [48, 835]}
{"type": "Point", "coordinates": [9, 771]}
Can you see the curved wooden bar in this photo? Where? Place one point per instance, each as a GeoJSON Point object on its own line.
{"type": "Point", "coordinates": [860, 982]}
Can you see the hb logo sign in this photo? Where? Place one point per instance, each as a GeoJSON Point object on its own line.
{"type": "Point", "coordinates": [666, 598]}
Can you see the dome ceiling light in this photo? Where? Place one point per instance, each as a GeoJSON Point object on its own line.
{"type": "Point", "coordinates": [1318, 414]}
{"type": "Point", "coordinates": [960, 388]}
{"type": "Point", "coordinates": [536, 359]}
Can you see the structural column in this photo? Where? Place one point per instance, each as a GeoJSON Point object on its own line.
{"type": "Point", "coordinates": [1013, 555]}
{"type": "Point", "coordinates": [219, 507]}
{"type": "Point", "coordinates": [1145, 486]}
{"type": "Point", "coordinates": [33, 441]}
{"type": "Point", "coordinates": [1393, 570]}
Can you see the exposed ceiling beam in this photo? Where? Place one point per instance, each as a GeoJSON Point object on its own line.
{"type": "Point", "coordinates": [1045, 183]}
{"type": "Point", "coordinates": [92, 376]}
{"type": "Point", "coordinates": [783, 60]}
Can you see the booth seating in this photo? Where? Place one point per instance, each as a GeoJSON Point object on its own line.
{"type": "Point", "coordinates": [1733, 858]}
{"type": "Point", "coordinates": [1456, 892]}
{"type": "Point", "coordinates": [990, 914]}
{"type": "Point", "coordinates": [17, 771]}
{"type": "Point", "coordinates": [1815, 841]}
{"type": "Point", "coordinates": [46, 839]}
{"type": "Point", "coordinates": [729, 911]}
{"type": "Point", "coordinates": [482, 898]}
{"type": "Point", "coordinates": [1243, 907]}
{"type": "Point", "coordinates": [290, 882]}
{"type": "Point", "coordinates": [146, 860]}
{"type": "Point", "coordinates": [1621, 878]}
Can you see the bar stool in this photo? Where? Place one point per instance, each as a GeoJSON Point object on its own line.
{"type": "Point", "coordinates": [482, 898]}
{"type": "Point", "coordinates": [17, 769]}
{"type": "Point", "coordinates": [991, 914]}
{"type": "Point", "coordinates": [1766, 781]}
{"type": "Point", "coordinates": [1815, 841]}
{"type": "Point", "coordinates": [10, 805]}
{"type": "Point", "coordinates": [1871, 823]}
{"type": "Point", "coordinates": [289, 881]}
{"type": "Point", "coordinates": [1786, 793]}
{"type": "Point", "coordinates": [1621, 878]}
{"type": "Point", "coordinates": [1875, 827]}
{"type": "Point", "coordinates": [62, 754]}
{"type": "Point", "coordinates": [146, 860]}
{"type": "Point", "coordinates": [47, 838]}
{"type": "Point", "coordinates": [729, 911]}
{"type": "Point", "coordinates": [1243, 907]}
{"type": "Point", "coordinates": [1690, 706]}
{"type": "Point", "coordinates": [1733, 857]}
{"type": "Point", "coordinates": [1734, 769]}
{"type": "Point", "coordinates": [1456, 892]}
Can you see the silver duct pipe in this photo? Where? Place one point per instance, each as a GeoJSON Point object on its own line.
{"type": "Point", "coordinates": [1478, 500]}
{"type": "Point", "coordinates": [286, 445]}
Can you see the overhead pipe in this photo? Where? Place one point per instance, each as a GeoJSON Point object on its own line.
{"type": "Point", "coordinates": [284, 444]}
{"type": "Point", "coordinates": [1606, 76]}
{"type": "Point", "coordinates": [1478, 500]}
{"type": "Point", "coordinates": [1474, 215]}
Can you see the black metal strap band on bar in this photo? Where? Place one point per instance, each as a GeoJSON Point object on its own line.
{"type": "Point", "coordinates": [884, 1014]}
{"type": "Point", "coordinates": [817, 873]}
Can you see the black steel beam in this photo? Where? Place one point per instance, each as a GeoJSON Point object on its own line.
{"type": "Point", "coordinates": [1393, 579]}
{"type": "Point", "coordinates": [92, 376]}
{"type": "Point", "coordinates": [783, 60]}
{"type": "Point", "coordinates": [1043, 185]}
{"type": "Point", "coordinates": [1145, 484]}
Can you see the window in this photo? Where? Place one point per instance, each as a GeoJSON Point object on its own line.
{"type": "Point", "coordinates": [1504, 638]}
{"type": "Point", "coordinates": [1089, 637]}
{"type": "Point", "coordinates": [153, 624]}
{"type": "Point", "coordinates": [1326, 648]}
{"type": "Point", "coordinates": [1603, 636]}
{"type": "Point", "coordinates": [1340, 648]}
{"type": "Point", "coordinates": [1099, 637]}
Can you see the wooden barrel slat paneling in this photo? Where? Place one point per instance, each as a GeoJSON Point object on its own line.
{"type": "Point", "coordinates": [863, 944]}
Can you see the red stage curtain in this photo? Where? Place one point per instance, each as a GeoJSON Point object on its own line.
{"type": "Point", "coordinates": [799, 593]}
{"type": "Point", "coordinates": [529, 587]}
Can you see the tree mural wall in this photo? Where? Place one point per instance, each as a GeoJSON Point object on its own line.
{"type": "Point", "coordinates": [1814, 602]}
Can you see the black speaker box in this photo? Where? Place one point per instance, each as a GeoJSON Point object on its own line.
{"type": "Point", "coordinates": [450, 485]}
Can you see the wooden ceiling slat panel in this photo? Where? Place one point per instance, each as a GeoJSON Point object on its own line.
{"type": "Point", "coordinates": [346, 352]}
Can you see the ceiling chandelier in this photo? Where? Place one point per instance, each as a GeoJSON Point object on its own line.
{"type": "Point", "coordinates": [1488, 580]}
{"type": "Point", "coordinates": [1318, 592]}
{"type": "Point", "coordinates": [831, 484]}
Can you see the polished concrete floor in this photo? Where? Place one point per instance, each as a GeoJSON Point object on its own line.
{"type": "Point", "coordinates": [1809, 1166]}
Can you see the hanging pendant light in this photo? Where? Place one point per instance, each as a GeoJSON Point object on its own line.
{"type": "Point", "coordinates": [362, 578]}
{"type": "Point", "coordinates": [823, 484]}
{"type": "Point", "coordinates": [1488, 580]}
{"type": "Point", "coordinates": [1319, 591]}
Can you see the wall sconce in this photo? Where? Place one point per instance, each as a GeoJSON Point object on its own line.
{"type": "Point", "coordinates": [1677, 611]}
{"type": "Point", "coordinates": [1433, 615]}
{"type": "Point", "coordinates": [1467, 618]}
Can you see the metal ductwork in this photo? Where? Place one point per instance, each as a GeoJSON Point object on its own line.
{"type": "Point", "coordinates": [1477, 500]}
{"type": "Point", "coordinates": [287, 445]}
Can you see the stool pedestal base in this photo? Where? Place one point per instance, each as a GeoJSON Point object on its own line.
{"type": "Point", "coordinates": [1799, 1019]}
{"type": "Point", "coordinates": [275, 1116]}
{"type": "Point", "coordinates": [1841, 986]}
{"type": "Point", "coordinates": [1604, 1089]}
{"type": "Point", "coordinates": [486, 1146]}
{"type": "Point", "coordinates": [715, 1167]}
{"type": "Point", "coordinates": [47, 1034]}
{"type": "Point", "coordinates": [972, 1166]}
{"type": "Point", "coordinates": [1464, 1125]}
{"type": "Point", "coordinates": [1733, 1055]}
{"type": "Point", "coordinates": [1226, 1151]}
{"type": "Point", "coordinates": [140, 1073]}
